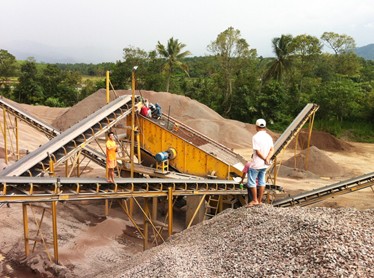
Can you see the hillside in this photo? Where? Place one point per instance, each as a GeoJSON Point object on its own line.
{"type": "Point", "coordinates": [366, 52]}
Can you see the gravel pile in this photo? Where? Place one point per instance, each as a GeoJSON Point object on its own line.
{"type": "Point", "coordinates": [265, 242]}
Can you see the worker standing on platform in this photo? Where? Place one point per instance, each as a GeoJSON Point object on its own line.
{"type": "Point", "coordinates": [111, 161]}
{"type": "Point", "coordinates": [263, 149]}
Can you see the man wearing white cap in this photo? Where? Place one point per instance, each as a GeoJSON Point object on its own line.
{"type": "Point", "coordinates": [263, 149]}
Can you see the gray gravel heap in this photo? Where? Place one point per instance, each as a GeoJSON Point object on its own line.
{"type": "Point", "coordinates": [265, 241]}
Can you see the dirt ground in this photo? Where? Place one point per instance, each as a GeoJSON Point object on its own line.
{"type": "Point", "coordinates": [88, 239]}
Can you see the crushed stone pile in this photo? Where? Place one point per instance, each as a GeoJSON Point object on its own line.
{"type": "Point", "coordinates": [264, 241]}
{"type": "Point", "coordinates": [296, 173]}
{"type": "Point", "coordinates": [318, 163]}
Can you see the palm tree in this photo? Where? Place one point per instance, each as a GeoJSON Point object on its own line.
{"type": "Point", "coordinates": [282, 49]}
{"type": "Point", "coordinates": [173, 55]}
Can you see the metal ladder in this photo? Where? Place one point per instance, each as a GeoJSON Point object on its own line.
{"type": "Point", "coordinates": [212, 206]}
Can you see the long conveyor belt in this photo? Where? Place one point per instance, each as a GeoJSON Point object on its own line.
{"type": "Point", "coordinates": [322, 193]}
{"type": "Point", "coordinates": [49, 130]}
{"type": "Point", "coordinates": [47, 189]}
{"type": "Point", "coordinates": [72, 140]}
{"type": "Point", "coordinates": [43, 127]}
{"type": "Point", "coordinates": [294, 128]}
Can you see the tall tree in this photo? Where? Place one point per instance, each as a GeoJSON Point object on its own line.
{"type": "Point", "coordinates": [282, 48]}
{"type": "Point", "coordinates": [231, 51]}
{"type": "Point", "coordinates": [306, 51]}
{"type": "Point", "coordinates": [345, 61]}
{"type": "Point", "coordinates": [28, 89]}
{"type": "Point", "coordinates": [8, 68]}
{"type": "Point", "coordinates": [338, 43]}
{"type": "Point", "coordinates": [174, 56]}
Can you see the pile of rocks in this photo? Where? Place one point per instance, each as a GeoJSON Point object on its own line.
{"type": "Point", "coordinates": [265, 241]}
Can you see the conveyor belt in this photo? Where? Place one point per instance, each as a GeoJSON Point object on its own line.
{"type": "Point", "coordinates": [322, 193]}
{"type": "Point", "coordinates": [72, 140]}
{"type": "Point", "coordinates": [294, 128]}
{"type": "Point", "coordinates": [47, 189]}
{"type": "Point", "coordinates": [49, 130]}
{"type": "Point", "coordinates": [43, 127]}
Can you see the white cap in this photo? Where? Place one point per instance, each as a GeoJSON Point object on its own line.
{"type": "Point", "coordinates": [261, 123]}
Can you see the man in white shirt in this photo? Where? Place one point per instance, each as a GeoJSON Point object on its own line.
{"type": "Point", "coordinates": [263, 149]}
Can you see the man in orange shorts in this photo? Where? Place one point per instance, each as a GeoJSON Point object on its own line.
{"type": "Point", "coordinates": [111, 161]}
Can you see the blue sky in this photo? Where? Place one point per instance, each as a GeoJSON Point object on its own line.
{"type": "Point", "coordinates": [97, 30]}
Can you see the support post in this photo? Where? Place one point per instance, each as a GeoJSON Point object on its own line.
{"type": "Point", "coordinates": [17, 138]}
{"type": "Point", "coordinates": [311, 122]}
{"type": "Point", "coordinates": [106, 209]}
{"type": "Point", "coordinates": [5, 137]}
{"type": "Point", "coordinates": [66, 168]}
{"type": "Point", "coordinates": [170, 209]}
{"type": "Point", "coordinates": [131, 207]}
{"type": "Point", "coordinates": [138, 148]}
{"type": "Point", "coordinates": [107, 87]}
{"type": "Point", "coordinates": [54, 227]}
{"type": "Point", "coordinates": [275, 170]}
{"type": "Point", "coordinates": [132, 121]}
{"type": "Point", "coordinates": [78, 164]}
{"type": "Point", "coordinates": [26, 229]}
{"type": "Point", "coordinates": [146, 224]}
{"type": "Point", "coordinates": [154, 208]}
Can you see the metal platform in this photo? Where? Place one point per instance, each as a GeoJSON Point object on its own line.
{"type": "Point", "coordinates": [35, 189]}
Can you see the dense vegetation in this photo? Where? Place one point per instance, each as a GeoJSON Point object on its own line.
{"type": "Point", "coordinates": [233, 80]}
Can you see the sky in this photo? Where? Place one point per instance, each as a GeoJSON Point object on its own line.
{"type": "Point", "coordinates": [95, 31]}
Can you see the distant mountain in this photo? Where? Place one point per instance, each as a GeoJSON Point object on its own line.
{"type": "Point", "coordinates": [52, 54]}
{"type": "Point", "coordinates": [40, 52]}
{"type": "Point", "coordinates": [366, 52]}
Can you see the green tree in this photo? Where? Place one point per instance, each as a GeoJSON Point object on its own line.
{"type": "Point", "coordinates": [345, 61]}
{"type": "Point", "coordinates": [50, 79]}
{"type": "Point", "coordinates": [340, 100]}
{"type": "Point", "coordinates": [147, 74]}
{"type": "Point", "coordinates": [8, 68]}
{"type": "Point", "coordinates": [174, 56]}
{"type": "Point", "coordinates": [306, 53]}
{"type": "Point", "coordinates": [271, 101]}
{"type": "Point", "coordinates": [338, 43]}
{"type": "Point", "coordinates": [231, 52]}
{"type": "Point", "coordinates": [28, 89]}
{"type": "Point", "coordinates": [282, 48]}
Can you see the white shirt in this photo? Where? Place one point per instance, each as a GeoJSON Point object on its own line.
{"type": "Point", "coordinates": [262, 142]}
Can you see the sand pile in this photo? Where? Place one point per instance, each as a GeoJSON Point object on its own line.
{"type": "Point", "coordinates": [200, 117]}
{"type": "Point", "coordinates": [264, 242]}
{"type": "Point", "coordinates": [231, 133]}
{"type": "Point", "coordinates": [295, 173]}
{"type": "Point", "coordinates": [321, 140]}
{"type": "Point", "coordinates": [318, 163]}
